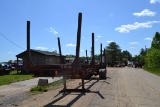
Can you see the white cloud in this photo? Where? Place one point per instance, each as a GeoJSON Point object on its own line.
{"type": "Point", "coordinates": [145, 12]}
{"type": "Point", "coordinates": [109, 41]}
{"type": "Point", "coordinates": [70, 44]}
{"type": "Point", "coordinates": [148, 39]}
{"type": "Point", "coordinates": [52, 30]}
{"type": "Point", "coordinates": [133, 43]}
{"type": "Point", "coordinates": [41, 48]}
{"type": "Point", "coordinates": [53, 48]}
{"type": "Point", "coordinates": [127, 28]}
{"type": "Point", "coordinates": [154, 1]}
{"type": "Point", "coordinates": [99, 36]}
{"type": "Point", "coordinates": [82, 50]}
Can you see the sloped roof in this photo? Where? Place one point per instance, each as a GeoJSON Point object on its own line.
{"type": "Point", "coordinates": [41, 52]}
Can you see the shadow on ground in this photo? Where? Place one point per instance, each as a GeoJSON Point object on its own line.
{"type": "Point", "coordinates": [79, 95]}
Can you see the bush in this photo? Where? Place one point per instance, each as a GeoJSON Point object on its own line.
{"type": "Point", "coordinates": [153, 58]}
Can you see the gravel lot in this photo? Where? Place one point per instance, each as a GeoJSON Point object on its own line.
{"type": "Point", "coordinates": [11, 95]}
{"type": "Point", "coordinates": [124, 87]}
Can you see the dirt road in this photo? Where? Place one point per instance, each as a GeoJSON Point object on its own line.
{"type": "Point", "coordinates": [124, 87]}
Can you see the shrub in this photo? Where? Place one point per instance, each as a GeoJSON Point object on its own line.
{"type": "Point", "coordinates": [153, 58]}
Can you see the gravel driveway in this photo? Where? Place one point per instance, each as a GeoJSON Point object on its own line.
{"type": "Point", "coordinates": [15, 92]}
{"type": "Point", "coordinates": [124, 87]}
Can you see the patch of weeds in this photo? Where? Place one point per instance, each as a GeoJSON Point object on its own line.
{"type": "Point", "coordinates": [40, 89]}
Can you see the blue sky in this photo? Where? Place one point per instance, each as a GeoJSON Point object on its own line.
{"type": "Point", "coordinates": [130, 23]}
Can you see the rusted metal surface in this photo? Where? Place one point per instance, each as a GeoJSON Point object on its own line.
{"type": "Point", "coordinates": [93, 59]}
{"type": "Point", "coordinates": [86, 57]}
{"type": "Point", "coordinates": [28, 43]}
{"type": "Point", "coordinates": [92, 68]}
{"type": "Point", "coordinates": [101, 54]}
{"type": "Point", "coordinates": [60, 53]}
{"type": "Point", "coordinates": [76, 62]}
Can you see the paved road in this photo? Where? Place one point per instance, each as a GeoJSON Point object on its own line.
{"type": "Point", "coordinates": [124, 87]}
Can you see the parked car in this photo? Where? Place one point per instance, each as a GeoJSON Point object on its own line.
{"type": "Point", "coordinates": [119, 64]}
{"type": "Point", "coordinates": [130, 64]}
{"type": "Point", "coordinates": [12, 67]}
{"type": "Point", "coordinates": [137, 65]}
{"type": "Point", "coordinates": [5, 69]}
{"type": "Point", "coordinates": [122, 64]}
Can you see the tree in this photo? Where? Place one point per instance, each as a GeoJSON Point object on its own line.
{"type": "Point", "coordinates": [136, 58]}
{"type": "Point", "coordinates": [9, 62]}
{"type": "Point", "coordinates": [127, 54]}
{"type": "Point", "coordinates": [142, 55]}
{"type": "Point", "coordinates": [97, 56]}
{"type": "Point", "coordinates": [152, 57]}
{"type": "Point", "coordinates": [156, 41]}
{"type": "Point", "coordinates": [113, 51]}
{"type": "Point", "coordinates": [70, 56]}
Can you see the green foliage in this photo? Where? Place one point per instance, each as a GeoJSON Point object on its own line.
{"type": "Point", "coordinates": [141, 57]}
{"type": "Point", "coordinates": [9, 62]}
{"type": "Point", "coordinates": [153, 58]}
{"type": "Point", "coordinates": [136, 58]}
{"type": "Point", "coordinates": [40, 88]}
{"type": "Point", "coordinates": [113, 51]}
{"type": "Point", "coordinates": [69, 56]}
{"type": "Point", "coordinates": [126, 54]}
{"type": "Point", "coordinates": [97, 56]}
{"type": "Point", "coordinates": [153, 70]}
{"type": "Point", "coordinates": [13, 77]}
{"type": "Point", "coordinates": [156, 41]}
{"type": "Point", "coordinates": [56, 83]}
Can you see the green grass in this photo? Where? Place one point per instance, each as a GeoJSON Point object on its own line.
{"type": "Point", "coordinates": [155, 71]}
{"type": "Point", "coordinates": [41, 89]}
{"type": "Point", "coordinates": [56, 83]}
{"type": "Point", "coordinates": [13, 77]}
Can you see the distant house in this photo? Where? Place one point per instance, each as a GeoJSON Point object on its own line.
{"type": "Point", "coordinates": [39, 57]}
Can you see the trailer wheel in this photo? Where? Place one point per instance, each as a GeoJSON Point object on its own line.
{"type": "Point", "coordinates": [87, 77]}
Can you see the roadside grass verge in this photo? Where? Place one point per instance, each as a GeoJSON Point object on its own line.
{"type": "Point", "coordinates": [155, 71]}
{"type": "Point", "coordinates": [41, 89]}
{"type": "Point", "coordinates": [14, 77]}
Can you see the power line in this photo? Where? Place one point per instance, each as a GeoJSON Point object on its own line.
{"type": "Point", "coordinates": [11, 41]}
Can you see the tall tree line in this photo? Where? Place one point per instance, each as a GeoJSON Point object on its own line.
{"type": "Point", "coordinates": [152, 57]}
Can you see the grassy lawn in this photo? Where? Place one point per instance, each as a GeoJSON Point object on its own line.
{"type": "Point", "coordinates": [155, 71]}
{"type": "Point", "coordinates": [13, 77]}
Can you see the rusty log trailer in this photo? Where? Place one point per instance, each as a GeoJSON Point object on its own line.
{"type": "Point", "coordinates": [72, 71]}
{"type": "Point", "coordinates": [93, 68]}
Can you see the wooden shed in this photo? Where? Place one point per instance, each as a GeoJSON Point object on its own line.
{"type": "Point", "coordinates": [39, 57]}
